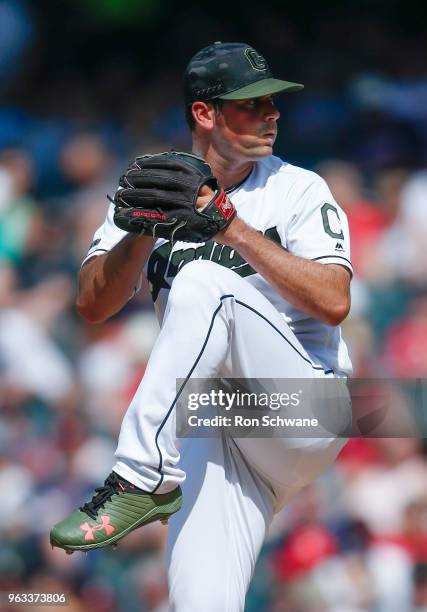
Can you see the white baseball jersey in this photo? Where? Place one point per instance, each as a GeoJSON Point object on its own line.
{"type": "Point", "coordinates": [293, 207]}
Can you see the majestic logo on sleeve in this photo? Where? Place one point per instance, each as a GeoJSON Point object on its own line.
{"type": "Point", "coordinates": [163, 265]}
{"type": "Point", "coordinates": [94, 243]}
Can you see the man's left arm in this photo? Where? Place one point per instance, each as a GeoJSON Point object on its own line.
{"type": "Point", "coordinates": [320, 290]}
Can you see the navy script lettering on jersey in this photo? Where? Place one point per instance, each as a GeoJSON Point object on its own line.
{"type": "Point", "coordinates": [163, 264]}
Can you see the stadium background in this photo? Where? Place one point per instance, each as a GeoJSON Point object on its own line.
{"type": "Point", "coordinates": [84, 86]}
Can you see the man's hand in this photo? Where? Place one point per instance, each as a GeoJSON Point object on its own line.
{"type": "Point", "coordinates": [158, 196]}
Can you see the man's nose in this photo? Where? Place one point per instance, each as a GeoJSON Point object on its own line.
{"type": "Point", "coordinates": [271, 112]}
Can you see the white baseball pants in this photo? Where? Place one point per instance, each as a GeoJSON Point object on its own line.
{"type": "Point", "coordinates": [217, 325]}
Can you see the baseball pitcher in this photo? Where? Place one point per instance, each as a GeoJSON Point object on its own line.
{"type": "Point", "coordinates": [248, 262]}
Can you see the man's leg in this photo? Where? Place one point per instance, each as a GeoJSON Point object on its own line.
{"type": "Point", "coordinates": [233, 487]}
{"type": "Point", "coordinates": [214, 541]}
{"type": "Point", "coordinates": [144, 484]}
{"type": "Point", "coordinates": [215, 322]}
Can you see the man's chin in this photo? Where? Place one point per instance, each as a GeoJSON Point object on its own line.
{"type": "Point", "coordinates": [260, 152]}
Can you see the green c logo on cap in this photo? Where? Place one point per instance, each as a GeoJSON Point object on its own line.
{"type": "Point", "coordinates": [255, 59]}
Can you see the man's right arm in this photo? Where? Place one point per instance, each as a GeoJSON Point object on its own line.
{"type": "Point", "coordinates": [108, 281]}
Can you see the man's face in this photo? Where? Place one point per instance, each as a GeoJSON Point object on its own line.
{"type": "Point", "coordinates": [246, 129]}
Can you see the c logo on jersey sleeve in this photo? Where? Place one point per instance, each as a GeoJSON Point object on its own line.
{"type": "Point", "coordinates": [332, 219]}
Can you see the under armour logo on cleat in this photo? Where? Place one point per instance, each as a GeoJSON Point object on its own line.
{"type": "Point", "coordinates": [105, 524]}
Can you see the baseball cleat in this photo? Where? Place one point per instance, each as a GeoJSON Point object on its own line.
{"type": "Point", "coordinates": [116, 509]}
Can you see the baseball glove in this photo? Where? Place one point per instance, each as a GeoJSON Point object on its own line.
{"type": "Point", "coordinates": [157, 196]}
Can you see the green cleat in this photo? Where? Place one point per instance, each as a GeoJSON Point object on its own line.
{"type": "Point", "coordinates": [115, 510]}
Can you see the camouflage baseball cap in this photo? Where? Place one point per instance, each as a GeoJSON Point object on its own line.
{"type": "Point", "coordinates": [231, 71]}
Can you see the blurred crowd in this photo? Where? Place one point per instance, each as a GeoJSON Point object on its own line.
{"type": "Point", "coordinates": [357, 539]}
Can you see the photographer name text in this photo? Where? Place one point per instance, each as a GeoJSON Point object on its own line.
{"type": "Point", "coordinates": [237, 420]}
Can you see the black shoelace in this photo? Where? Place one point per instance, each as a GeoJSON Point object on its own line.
{"type": "Point", "coordinates": [102, 495]}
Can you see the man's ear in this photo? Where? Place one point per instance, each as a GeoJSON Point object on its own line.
{"type": "Point", "coordinates": [204, 114]}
